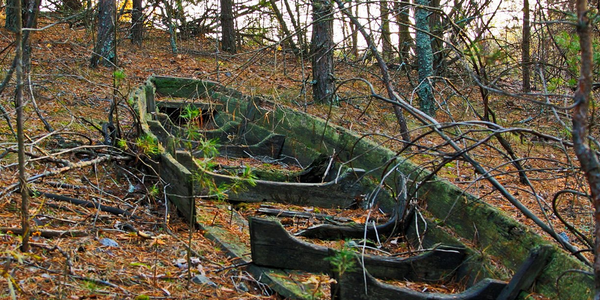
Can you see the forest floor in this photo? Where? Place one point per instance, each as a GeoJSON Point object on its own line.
{"type": "Point", "coordinates": [99, 257]}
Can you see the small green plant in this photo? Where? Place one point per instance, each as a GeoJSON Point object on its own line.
{"type": "Point", "coordinates": [209, 147]}
{"type": "Point", "coordinates": [118, 76]}
{"type": "Point", "coordinates": [193, 118]}
{"type": "Point", "coordinates": [343, 260]}
{"type": "Point", "coordinates": [148, 144]}
{"type": "Point", "coordinates": [190, 113]}
{"type": "Point", "coordinates": [154, 191]}
{"type": "Point", "coordinates": [91, 286]}
{"type": "Point", "coordinates": [122, 144]}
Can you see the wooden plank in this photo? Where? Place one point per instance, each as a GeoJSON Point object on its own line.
{"type": "Point", "coordinates": [333, 194]}
{"type": "Point", "coordinates": [272, 246]}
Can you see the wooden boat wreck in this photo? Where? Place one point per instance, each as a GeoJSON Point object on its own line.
{"type": "Point", "coordinates": [254, 126]}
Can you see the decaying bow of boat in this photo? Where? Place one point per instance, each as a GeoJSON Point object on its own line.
{"type": "Point", "coordinates": [256, 127]}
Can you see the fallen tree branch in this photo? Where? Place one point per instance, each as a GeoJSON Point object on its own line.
{"type": "Point", "coordinates": [47, 233]}
{"type": "Point", "coordinates": [89, 204]}
{"type": "Point", "coordinates": [82, 164]}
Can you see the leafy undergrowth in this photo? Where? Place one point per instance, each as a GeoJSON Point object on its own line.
{"type": "Point", "coordinates": [103, 255]}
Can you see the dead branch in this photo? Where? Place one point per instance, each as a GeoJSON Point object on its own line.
{"type": "Point", "coordinates": [47, 233]}
{"type": "Point", "coordinates": [89, 204]}
{"type": "Point", "coordinates": [100, 159]}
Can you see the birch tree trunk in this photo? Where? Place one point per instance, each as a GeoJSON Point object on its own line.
{"type": "Point", "coordinates": [105, 48]}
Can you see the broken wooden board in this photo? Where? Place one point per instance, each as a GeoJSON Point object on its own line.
{"type": "Point", "coordinates": [272, 246]}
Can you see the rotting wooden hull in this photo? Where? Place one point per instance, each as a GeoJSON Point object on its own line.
{"type": "Point", "coordinates": [464, 215]}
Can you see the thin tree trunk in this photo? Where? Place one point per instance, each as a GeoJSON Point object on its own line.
{"type": "Point", "coordinates": [386, 42]}
{"type": "Point", "coordinates": [289, 40]}
{"type": "Point", "coordinates": [405, 40]}
{"type": "Point", "coordinates": [31, 16]}
{"type": "Point", "coordinates": [384, 72]}
{"type": "Point", "coordinates": [171, 26]}
{"type": "Point", "coordinates": [587, 158]}
{"type": "Point", "coordinates": [354, 36]}
{"type": "Point", "coordinates": [526, 45]}
{"type": "Point", "coordinates": [20, 126]}
{"type": "Point", "coordinates": [296, 24]}
{"type": "Point", "coordinates": [435, 27]}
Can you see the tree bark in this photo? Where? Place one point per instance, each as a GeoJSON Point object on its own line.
{"type": "Point", "coordinates": [587, 158]}
{"type": "Point", "coordinates": [437, 45]}
{"type": "Point", "coordinates": [425, 59]}
{"type": "Point", "coordinates": [322, 51]}
{"type": "Point", "coordinates": [526, 45]}
{"type": "Point", "coordinates": [354, 30]}
{"type": "Point", "coordinates": [227, 27]}
{"type": "Point", "coordinates": [137, 23]}
{"type": "Point", "coordinates": [18, 30]}
{"type": "Point", "coordinates": [386, 42]}
{"type": "Point", "coordinates": [105, 48]}
{"type": "Point", "coordinates": [405, 40]}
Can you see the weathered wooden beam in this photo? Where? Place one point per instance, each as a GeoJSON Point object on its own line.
{"type": "Point", "coordinates": [357, 284]}
{"type": "Point", "coordinates": [333, 194]}
{"type": "Point", "coordinates": [272, 246]}
{"type": "Point", "coordinates": [526, 275]}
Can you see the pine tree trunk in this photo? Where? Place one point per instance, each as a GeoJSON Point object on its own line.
{"type": "Point", "coordinates": [137, 23]}
{"type": "Point", "coordinates": [227, 27]}
{"type": "Point", "coordinates": [322, 51]}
